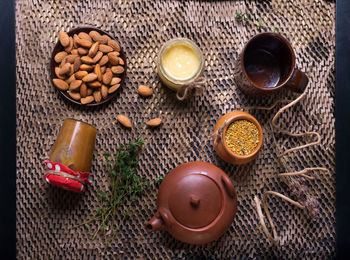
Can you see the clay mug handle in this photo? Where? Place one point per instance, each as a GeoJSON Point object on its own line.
{"type": "Point", "coordinates": [228, 185]}
{"type": "Point", "coordinates": [298, 81]}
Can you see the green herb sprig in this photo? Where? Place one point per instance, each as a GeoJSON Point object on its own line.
{"type": "Point", "coordinates": [125, 186]}
{"type": "Point", "coordinates": [244, 18]}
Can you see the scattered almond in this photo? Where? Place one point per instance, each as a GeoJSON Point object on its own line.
{"type": "Point", "coordinates": [144, 91]}
{"type": "Point", "coordinates": [60, 84]}
{"type": "Point", "coordinates": [125, 121]}
{"type": "Point", "coordinates": [90, 77]}
{"type": "Point", "coordinates": [154, 122]}
{"type": "Point", "coordinates": [87, 100]}
{"type": "Point", "coordinates": [60, 56]}
{"type": "Point", "coordinates": [117, 69]}
{"type": "Point", "coordinates": [63, 38]}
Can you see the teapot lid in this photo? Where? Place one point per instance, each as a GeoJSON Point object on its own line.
{"type": "Point", "coordinates": [195, 200]}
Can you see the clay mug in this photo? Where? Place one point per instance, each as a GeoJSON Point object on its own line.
{"type": "Point", "coordinates": [219, 141]}
{"type": "Point", "coordinates": [267, 64]}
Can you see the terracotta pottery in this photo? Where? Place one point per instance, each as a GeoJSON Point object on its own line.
{"type": "Point", "coordinates": [197, 203]}
{"type": "Point", "coordinates": [267, 64]}
{"type": "Point", "coordinates": [220, 145]}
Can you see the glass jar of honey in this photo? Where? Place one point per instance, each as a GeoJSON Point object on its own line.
{"type": "Point", "coordinates": [180, 63]}
{"type": "Point", "coordinates": [70, 158]}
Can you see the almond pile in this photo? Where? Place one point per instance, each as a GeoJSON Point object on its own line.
{"type": "Point", "coordinates": [90, 67]}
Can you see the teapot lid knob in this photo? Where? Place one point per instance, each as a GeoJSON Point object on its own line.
{"type": "Point", "coordinates": [194, 200]}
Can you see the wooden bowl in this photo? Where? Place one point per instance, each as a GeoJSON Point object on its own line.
{"type": "Point", "coordinates": [221, 147]}
{"type": "Point", "coordinates": [53, 64]}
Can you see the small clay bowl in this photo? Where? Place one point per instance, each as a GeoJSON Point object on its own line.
{"type": "Point", "coordinates": [58, 47]}
{"type": "Point", "coordinates": [220, 145]}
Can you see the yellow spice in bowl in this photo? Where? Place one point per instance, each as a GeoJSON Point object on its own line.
{"type": "Point", "coordinates": [242, 137]}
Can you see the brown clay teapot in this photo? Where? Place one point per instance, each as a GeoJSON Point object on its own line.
{"type": "Point", "coordinates": [197, 203]}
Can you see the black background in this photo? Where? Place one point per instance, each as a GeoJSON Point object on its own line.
{"type": "Point", "coordinates": [8, 130]}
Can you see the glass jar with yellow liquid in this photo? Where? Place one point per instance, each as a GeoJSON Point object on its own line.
{"type": "Point", "coordinates": [180, 64]}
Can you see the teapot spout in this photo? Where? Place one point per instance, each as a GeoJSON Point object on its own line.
{"type": "Point", "coordinates": [155, 223]}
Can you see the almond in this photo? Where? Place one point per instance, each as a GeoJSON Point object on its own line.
{"type": "Point", "coordinates": [105, 38]}
{"type": "Point", "coordinates": [80, 74]}
{"type": "Point", "coordinates": [154, 122]}
{"type": "Point", "coordinates": [83, 51]}
{"type": "Point", "coordinates": [87, 60]}
{"type": "Point", "coordinates": [74, 95]}
{"type": "Point", "coordinates": [76, 64]}
{"type": "Point", "coordinates": [57, 72]}
{"type": "Point", "coordinates": [87, 100]}
{"type": "Point", "coordinates": [75, 84]}
{"type": "Point", "coordinates": [97, 57]}
{"type": "Point", "coordinates": [83, 90]}
{"type": "Point", "coordinates": [75, 52]}
{"type": "Point", "coordinates": [107, 77]}
{"type": "Point", "coordinates": [70, 58]}
{"type": "Point", "coordinates": [69, 48]}
{"type": "Point", "coordinates": [105, 48]}
{"type": "Point", "coordinates": [113, 59]}
{"type": "Point", "coordinates": [95, 84]}
{"type": "Point", "coordinates": [114, 45]}
{"type": "Point", "coordinates": [70, 79]}
{"type": "Point", "coordinates": [121, 61]}
{"type": "Point", "coordinates": [89, 91]}
{"type": "Point", "coordinates": [86, 67]}
{"type": "Point", "coordinates": [96, 36]}
{"type": "Point", "coordinates": [75, 38]}
{"type": "Point", "coordinates": [115, 80]}
{"type": "Point", "coordinates": [103, 60]}
{"type": "Point", "coordinates": [113, 88]}
{"type": "Point", "coordinates": [98, 72]}
{"type": "Point", "coordinates": [71, 70]}
{"type": "Point", "coordinates": [104, 91]}
{"type": "Point", "coordinates": [125, 121]}
{"type": "Point", "coordinates": [63, 38]}
{"type": "Point", "coordinates": [60, 56]}
{"type": "Point", "coordinates": [103, 69]}
{"type": "Point", "coordinates": [84, 43]}
{"type": "Point", "coordinates": [117, 69]}
{"type": "Point", "coordinates": [60, 84]}
{"type": "Point", "coordinates": [65, 69]}
{"type": "Point", "coordinates": [90, 77]}
{"type": "Point", "coordinates": [97, 96]}
{"type": "Point", "coordinates": [144, 91]}
{"type": "Point", "coordinates": [85, 36]}
{"type": "Point", "coordinates": [93, 50]}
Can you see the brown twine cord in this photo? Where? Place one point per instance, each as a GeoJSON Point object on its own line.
{"type": "Point", "coordinates": [65, 175]}
{"type": "Point", "coordinates": [216, 136]}
{"type": "Point", "coordinates": [197, 85]}
{"type": "Point", "coordinates": [275, 238]}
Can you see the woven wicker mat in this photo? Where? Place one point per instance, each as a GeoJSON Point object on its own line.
{"type": "Point", "coordinates": [45, 215]}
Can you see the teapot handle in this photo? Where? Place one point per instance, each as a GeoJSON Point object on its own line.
{"type": "Point", "coordinates": [228, 185]}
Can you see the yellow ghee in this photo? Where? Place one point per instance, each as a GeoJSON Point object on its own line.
{"type": "Point", "coordinates": [180, 61]}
